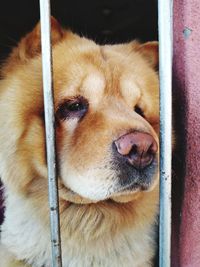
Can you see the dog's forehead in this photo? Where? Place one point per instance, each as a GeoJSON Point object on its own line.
{"type": "Point", "coordinates": [129, 88]}
{"type": "Point", "coordinates": [93, 86]}
{"type": "Point", "coordinates": [94, 75]}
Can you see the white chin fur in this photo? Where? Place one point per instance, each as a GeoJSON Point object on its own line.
{"type": "Point", "coordinates": [90, 185]}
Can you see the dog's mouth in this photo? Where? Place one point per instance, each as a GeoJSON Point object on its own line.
{"type": "Point", "coordinates": [132, 187]}
{"type": "Point", "coordinates": [122, 194]}
{"type": "Point", "coordinates": [132, 191]}
{"type": "Point", "coordinates": [74, 198]}
{"type": "Point", "coordinates": [69, 195]}
{"type": "Point", "coordinates": [128, 184]}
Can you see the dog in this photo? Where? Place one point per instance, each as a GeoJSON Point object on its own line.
{"type": "Point", "coordinates": [107, 127]}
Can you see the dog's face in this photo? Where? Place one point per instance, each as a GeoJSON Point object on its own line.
{"type": "Point", "coordinates": [106, 110]}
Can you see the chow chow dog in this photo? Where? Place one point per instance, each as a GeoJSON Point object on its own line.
{"type": "Point", "coordinates": [107, 124]}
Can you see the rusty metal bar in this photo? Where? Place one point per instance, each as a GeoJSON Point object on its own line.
{"type": "Point", "coordinates": [50, 131]}
{"type": "Point", "coordinates": [165, 20]}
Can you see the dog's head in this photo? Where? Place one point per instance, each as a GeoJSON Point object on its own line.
{"type": "Point", "coordinates": [106, 110]}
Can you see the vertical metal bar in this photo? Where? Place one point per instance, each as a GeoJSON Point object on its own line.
{"type": "Point", "coordinates": [165, 20]}
{"type": "Point", "coordinates": [50, 131]}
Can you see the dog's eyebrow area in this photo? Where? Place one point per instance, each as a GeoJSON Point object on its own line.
{"type": "Point", "coordinates": [130, 90]}
{"type": "Point", "coordinates": [93, 87]}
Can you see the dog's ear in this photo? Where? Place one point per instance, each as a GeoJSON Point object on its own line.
{"type": "Point", "coordinates": [30, 45]}
{"type": "Point", "coordinates": [149, 51]}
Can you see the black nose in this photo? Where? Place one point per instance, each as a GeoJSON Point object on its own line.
{"type": "Point", "coordinates": [137, 148]}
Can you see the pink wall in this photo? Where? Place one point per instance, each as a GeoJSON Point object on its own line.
{"type": "Point", "coordinates": [187, 77]}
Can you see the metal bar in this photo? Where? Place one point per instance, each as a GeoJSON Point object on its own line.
{"type": "Point", "coordinates": [50, 131]}
{"type": "Point", "coordinates": [165, 20]}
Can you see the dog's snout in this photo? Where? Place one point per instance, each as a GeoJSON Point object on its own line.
{"type": "Point", "coordinates": [138, 148]}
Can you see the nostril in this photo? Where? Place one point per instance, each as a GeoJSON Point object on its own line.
{"type": "Point", "coordinates": [140, 161]}
{"type": "Point", "coordinates": [134, 150]}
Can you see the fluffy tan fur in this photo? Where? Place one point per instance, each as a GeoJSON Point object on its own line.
{"type": "Point", "coordinates": [96, 230]}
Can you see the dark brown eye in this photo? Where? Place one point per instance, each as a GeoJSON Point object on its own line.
{"type": "Point", "coordinates": [77, 106]}
{"type": "Point", "coordinates": [139, 111]}
{"type": "Point", "coordinates": [72, 108]}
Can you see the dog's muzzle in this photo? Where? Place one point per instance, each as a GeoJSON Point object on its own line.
{"type": "Point", "coordinates": [135, 160]}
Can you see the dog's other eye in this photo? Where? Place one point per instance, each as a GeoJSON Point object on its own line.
{"type": "Point", "coordinates": [72, 108]}
{"type": "Point", "coordinates": [139, 111]}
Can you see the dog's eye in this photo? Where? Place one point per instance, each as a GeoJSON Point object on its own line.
{"type": "Point", "coordinates": [77, 106]}
{"type": "Point", "coordinates": [72, 108]}
{"type": "Point", "coordinates": [139, 111]}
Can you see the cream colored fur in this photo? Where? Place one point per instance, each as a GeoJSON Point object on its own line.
{"type": "Point", "coordinates": [30, 240]}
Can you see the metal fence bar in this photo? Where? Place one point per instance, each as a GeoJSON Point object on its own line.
{"type": "Point", "coordinates": [50, 131]}
{"type": "Point", "coordinates": [165, 20]}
